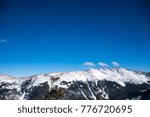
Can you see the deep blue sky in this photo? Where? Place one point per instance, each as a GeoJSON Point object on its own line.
{"type": "Point", "coordinates": [59, 35]}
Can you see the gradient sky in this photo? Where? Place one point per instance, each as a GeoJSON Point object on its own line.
{"type": "Point", "coordinates": [40, 36]}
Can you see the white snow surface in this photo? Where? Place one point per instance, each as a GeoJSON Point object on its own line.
{"type": "Point", "coordinates": [118, 75]}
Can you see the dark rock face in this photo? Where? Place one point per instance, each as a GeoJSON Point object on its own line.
{"type": "Point", "coordinates": [8, 93]}
{"type": "Point", "coordinates": [106, 90]}
{"type": "Point", "coordinates": [78, 90]}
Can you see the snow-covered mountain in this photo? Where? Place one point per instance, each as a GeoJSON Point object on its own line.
{"type": "Point", "coordinates": [115, 83]}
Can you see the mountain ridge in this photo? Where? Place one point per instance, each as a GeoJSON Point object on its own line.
{"type": "Point", "coordinates": [88, 84]}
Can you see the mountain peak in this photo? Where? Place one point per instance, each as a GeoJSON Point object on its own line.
{"type": "Point", "coordinates": [87, 83]}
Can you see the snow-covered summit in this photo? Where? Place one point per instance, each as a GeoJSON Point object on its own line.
{"type": "Point", "coordinates": [102, 83]}
{"type": "Point", "coordinates": [119, 75]}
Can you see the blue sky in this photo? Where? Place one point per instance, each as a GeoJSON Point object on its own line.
{"type": "Point", "coordinates": [40, 36]}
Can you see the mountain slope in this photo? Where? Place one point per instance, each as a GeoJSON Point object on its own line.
{"type": "Point", "coordinates": [116, 83]}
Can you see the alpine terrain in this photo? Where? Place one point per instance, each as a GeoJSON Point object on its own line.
{"type": "Point", "coordinates": [92, 84]}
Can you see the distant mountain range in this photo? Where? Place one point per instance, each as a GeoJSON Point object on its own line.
{"type": "Point", "coordinates": [92, 84]}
